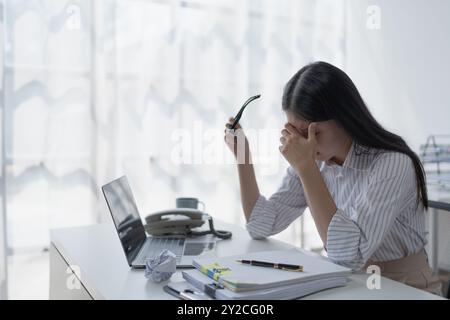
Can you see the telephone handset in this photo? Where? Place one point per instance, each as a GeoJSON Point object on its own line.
{"type": "Point", "coordinates": [181, 221]}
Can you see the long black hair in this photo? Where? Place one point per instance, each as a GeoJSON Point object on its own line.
{"type": "Point", "coordinates": [320, 91]}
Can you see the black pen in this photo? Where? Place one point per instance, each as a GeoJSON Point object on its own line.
{"type": "Point", "coordinates": [239, 114]}
{"type": "Point", "coordinates": [281, 266]}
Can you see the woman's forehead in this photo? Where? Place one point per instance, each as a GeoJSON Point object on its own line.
{"type": "Point", "coordinates": [297, 120]}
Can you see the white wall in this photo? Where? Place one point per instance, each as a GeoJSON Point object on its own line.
{"type": "Point", "coordinates": [403, 69]}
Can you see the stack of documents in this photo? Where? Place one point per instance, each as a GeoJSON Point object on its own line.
{"type": "Point", "coordinates": [226, 278]}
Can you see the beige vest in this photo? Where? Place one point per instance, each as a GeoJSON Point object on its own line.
{"type": "Point", "coordinates": [412, 270]}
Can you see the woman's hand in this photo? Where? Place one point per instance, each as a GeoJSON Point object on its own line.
{"type": "Point", "coordinates": [237, 141]}
{"type": "Point", "coordinates": [298, 150]}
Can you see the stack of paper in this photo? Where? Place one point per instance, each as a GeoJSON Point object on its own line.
{"type": "Point", "coordinates": [286, 292]}
{"type": "Point", "coordinates": [234, 280]}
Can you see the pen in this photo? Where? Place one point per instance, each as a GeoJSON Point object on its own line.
{"type": "Point", "coordinates": [186, 294]}
{"type": "Point", "coordinates": [282, 266]}
{"type": "Point", "coordinates": [239, 114]}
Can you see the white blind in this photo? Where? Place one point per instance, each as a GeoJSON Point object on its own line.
{"type": "Point", "coordinates": [92, 90]}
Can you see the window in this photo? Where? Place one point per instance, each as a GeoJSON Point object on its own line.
{"type": "Point", "coordinates": [92, 90]}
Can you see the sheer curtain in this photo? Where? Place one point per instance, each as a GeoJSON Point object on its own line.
{"type": "Point", "coordinates": [92, 90]}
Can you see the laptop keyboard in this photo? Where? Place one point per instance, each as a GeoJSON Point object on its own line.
{"type": "Point", "coordinates": [153, 246]}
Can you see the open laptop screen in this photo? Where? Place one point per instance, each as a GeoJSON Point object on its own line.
{"type": "Point", "coordinates": [125, 215]}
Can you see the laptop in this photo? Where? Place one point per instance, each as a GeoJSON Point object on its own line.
{"type": "Point", "coordinates": [137, 246]}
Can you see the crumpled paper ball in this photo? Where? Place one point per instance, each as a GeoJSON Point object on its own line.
{"type": "Point", "coordinates": [161, 267]}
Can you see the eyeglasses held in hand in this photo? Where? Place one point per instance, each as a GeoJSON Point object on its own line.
{"type": "Point", "coordinates": [239, 114]}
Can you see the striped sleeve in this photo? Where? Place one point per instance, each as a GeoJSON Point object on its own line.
{"type": "Point", "coordinates": [356, 232]}
{"type": "Point", "coordinates": [273, 215]}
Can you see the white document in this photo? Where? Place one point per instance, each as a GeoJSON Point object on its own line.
{"type": "Point", "coordinates": [288, 292]}
{"type": "Point", "coordinates": [242, 277]}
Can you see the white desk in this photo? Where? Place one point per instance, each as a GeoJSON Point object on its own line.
{"type": "Point", "coordinates": [96, 254]}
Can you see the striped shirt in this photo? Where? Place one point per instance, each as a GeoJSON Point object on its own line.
{"type": "Point", "coordinates": [377, 217]}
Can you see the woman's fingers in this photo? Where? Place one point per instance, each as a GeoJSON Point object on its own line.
{"type": "Point", "coordinates": [288, 132]}
{"type": "Point", "coordinates": [291, 129]}
{"type": "Point", "coordinates": [285, 133]}
{"type": "Point", "coordinates": [312, 131]}
{"type": "Point", "coordinates": [231, 140]}
{"type": "Point", "coordinates": [234, 137]}
{"type": "Point", "coordinates": [231, 122]}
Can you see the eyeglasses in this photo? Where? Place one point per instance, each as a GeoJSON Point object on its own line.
{"type": "Point", "coordinates": [239, 114]}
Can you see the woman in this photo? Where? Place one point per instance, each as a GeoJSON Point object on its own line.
{"type": "Point", "coordinates": [364, 186]}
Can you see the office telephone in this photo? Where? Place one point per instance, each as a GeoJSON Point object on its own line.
{"type": "Point", "coordinates": [181, 221]}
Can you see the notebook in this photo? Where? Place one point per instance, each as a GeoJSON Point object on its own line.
{"type": "Point", "coordinates": [293, 291]}
{"type": "Point", "coordinates": [239, 277]}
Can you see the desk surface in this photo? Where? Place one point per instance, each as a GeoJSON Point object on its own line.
{"type": "Point", "coordinates": [438, 197]}
{"type": "Point", "coordinates": [105, 274]}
